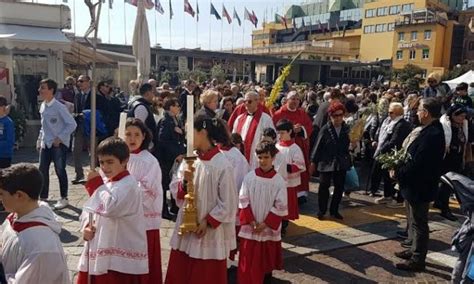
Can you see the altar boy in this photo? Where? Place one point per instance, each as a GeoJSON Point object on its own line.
{"type": "Point", "coordinates": [116, 251]}
{"type": "Point", "coordinates": [31, 249]}
{"type": "Point", "coordinates": [262, 204]}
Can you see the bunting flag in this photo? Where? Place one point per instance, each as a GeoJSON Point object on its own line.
{"type": "Point", "coordinates": [188, 8]}
{"type": "Point", "coordinates": [171, 11]}
{"type": "Point", "coordinates": [148, 3]}
{"type": "Point", "coordinates": [236, 16]}
{"type": "Point", "coordinates": [214, 12]}
{"type": "Point", "coordinates": [197, 11]}
{"type": "Point", "coordinates": [111, 2]}
{"type": "Point", "coordinates": [226, 14]}
{"type": "Point", "coordinates": [282, 20]}
{"type": "Point", "coordinates": [158, 7]}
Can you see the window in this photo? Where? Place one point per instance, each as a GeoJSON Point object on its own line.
{"type": "Point", "coordinates": [391, 27]}
{"type": "Point", "coordinates": [381, 28]}
{"type": "Point", "coordinates": [401, 36]}
{"type": "Point", "coordinates": [370, 13]}
{"type": "Point", "coordinates": [394, 10]}
{"type": "Point", "coordinates": [407, 7]}
{"type": "Point", "coordinates": [414, 35]}
{"type": "Point", "coordinates": [425, 54]}
{"type": "Point", "coordinates": [369, 29]}
{"type": "Point", "coordinates": [427, 34]}
{"type": "Point", "coordinates": [471, 45]}
{"type": "Point", "coordinates": [382, 11]}
{"type": "Point", "coordinates": [412, 54]}
{"type": "Point", "coordinates": [399, 54]}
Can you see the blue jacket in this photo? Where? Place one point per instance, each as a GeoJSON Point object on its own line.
{"type": "Point", "coordinates": [7, 137]}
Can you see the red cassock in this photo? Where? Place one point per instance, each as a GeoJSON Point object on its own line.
{"type": "Point", "coordinates": [301, 117]}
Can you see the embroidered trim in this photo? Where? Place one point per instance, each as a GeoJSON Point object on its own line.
{"type": "Point", "coordinates": [117, 252]}
{"type": "Point", "coordinates": [152, 215]}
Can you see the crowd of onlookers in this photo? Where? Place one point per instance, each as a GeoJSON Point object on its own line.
{"type": "Point", "coordinates": [433, 124]}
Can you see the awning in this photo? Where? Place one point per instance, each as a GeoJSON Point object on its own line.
{"type": "Point", "coordinates": [81, 55]}
{"type": "Point", "coordinates": [32, 38]}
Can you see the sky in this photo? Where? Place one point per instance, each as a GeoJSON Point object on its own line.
{"type": "Point", "coordinates": [117, 24]}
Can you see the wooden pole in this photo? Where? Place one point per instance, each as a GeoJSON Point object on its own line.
{"type": "Point", "coordinates": [94, 91]}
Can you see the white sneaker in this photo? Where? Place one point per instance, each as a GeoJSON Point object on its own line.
{"type": "Point", "coordinates": [382, 200]}
{"type": "Point", "coordinates": [61, 204]}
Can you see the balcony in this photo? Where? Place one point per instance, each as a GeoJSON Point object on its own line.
{"type": "Point", "coordinates": [423, 16]}
{"type": "Point", "coordinates": [327, 47]}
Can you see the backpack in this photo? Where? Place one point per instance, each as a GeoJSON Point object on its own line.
{"type": "Point", "coordinates": [101, 129]}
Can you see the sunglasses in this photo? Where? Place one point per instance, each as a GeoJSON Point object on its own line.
{"type": "Point", "coordinates": [80, 81]}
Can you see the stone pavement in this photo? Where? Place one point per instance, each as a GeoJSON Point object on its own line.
{"type": "Point", "coordinates": [358, 249]}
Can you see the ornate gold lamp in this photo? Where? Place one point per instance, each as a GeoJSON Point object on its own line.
{"type": "Point", "coordinates": [189, 221]}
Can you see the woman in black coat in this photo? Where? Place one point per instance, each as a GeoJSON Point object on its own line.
{"type": "Point", "coordinates": [331, 159]}
{"type": "Point", "coordinates": [170, 148]}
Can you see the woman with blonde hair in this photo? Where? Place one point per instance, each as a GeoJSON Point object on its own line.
{"type": "Point", "coordinates": [209, 101]}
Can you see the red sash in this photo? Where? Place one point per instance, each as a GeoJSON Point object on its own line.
{"type": "Point", "coordinates": [250, 132]}
{"type": "Point", "coordinates": [19, 226]}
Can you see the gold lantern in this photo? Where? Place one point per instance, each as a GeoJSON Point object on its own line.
{"type": "Point", "coordinates": [189, 221]}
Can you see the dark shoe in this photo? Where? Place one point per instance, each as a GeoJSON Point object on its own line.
{"type": "Point", "coordinates": [321, 216]}
{"type": "Point", "coordinates": [337, 215]}
{"type": "Point", "coordinates": [406, 243]}
{"type": "Point", "coordinates": [410, 265]}
{"type": "Point", "coordinates": [402, 234]}
{"type": "Point", "coordinates": [406, 254]}
{"type": "Point", "coordinates": [78, 180]}
{"type": "Point", "coordinates": [302, 200]}
{"type": "Point", "coordinates": [448, 215]}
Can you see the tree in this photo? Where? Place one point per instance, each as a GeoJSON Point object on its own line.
{"type": "Point", "coordinates": [457, 71]}
{"type": "Point", "coordinates": [410, 75]}
{"type": "Point", "coordinates": [218, 73]}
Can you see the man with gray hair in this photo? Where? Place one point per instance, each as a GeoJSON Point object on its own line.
{"type": "Point", "coordinates": [389, 136]}
{"type": "Point", "coordinates": [250, 126]}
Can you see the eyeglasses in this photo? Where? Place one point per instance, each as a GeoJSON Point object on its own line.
{"type": "Point", "coordinates": [80, 81]}
{"type": "Point", "coordinates": [390, 112]}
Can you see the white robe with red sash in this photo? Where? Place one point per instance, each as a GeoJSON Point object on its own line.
{"type": "Point", "coordinates": [120, 242]}
{"type": "Point", "coordinates": [251, 127]}
{"type": "Point", "coordinates": [31, 249]}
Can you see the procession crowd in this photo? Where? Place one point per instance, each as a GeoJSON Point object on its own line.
{"type": "Point", "coordinates": [256, 154]}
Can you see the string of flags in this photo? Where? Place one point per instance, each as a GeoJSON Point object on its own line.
{"type": "Point", "coordinates": [188, 8]}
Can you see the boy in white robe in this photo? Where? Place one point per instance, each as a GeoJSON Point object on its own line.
{"type": "Point", "coordinates": [199, 257]}
{"type": "Point", "coordinates": [31, 249]}
{"type": "Point", "coordinates": [295, 165]}
{"type": "Point", "coordinates": [262, 204]}
{"type": "Point", "coordinates": [116, 251]}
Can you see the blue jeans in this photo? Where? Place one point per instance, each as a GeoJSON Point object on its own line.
{"type": "Point", "coordinates": [58, 156]}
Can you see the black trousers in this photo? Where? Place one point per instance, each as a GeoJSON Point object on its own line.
{"type": "Point", "coordinates": [5, 163]}
{"type": "Point", "coordinates": [325, 178]}
{"type": "Point", "coordinates": [379, 174]}
{"type": "Point", "coordinates": [419, 230]}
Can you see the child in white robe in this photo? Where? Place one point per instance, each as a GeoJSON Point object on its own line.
{"type": "Point", "coordinates": [279, 162]}
{"type": "Point", "coordinates": [116, 249]}
{"type": "Point", "coordinates": [262, 204]}
{"type": "Point", "coordinates": [145, 168]}
{"type": "Point", "coordinates": [200, 256]}
{"type": "Point", "coordinates": [31, 249]}
{"type": "Point", "coordinates": [295, 165]}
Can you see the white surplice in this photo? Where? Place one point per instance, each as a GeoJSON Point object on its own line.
{"type": "Point", "coordinates": [120, 242]}
{"type": "Point", "coordinates": [35, 254]}
{"type": "Point", "coordinates": [294, 156]}
{"type": "Point", "coordinates": [265, 122]}
{"type": "Point", "coordinates": [263, 195]}
{"type": "Point", "coordinates": [145, 168]}
{"type": "Point", "coordinates": [216, 196]}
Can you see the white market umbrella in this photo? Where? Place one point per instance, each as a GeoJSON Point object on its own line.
{"type": "Point", "coordinates": [467, 77]}
{"type": "Point", "coordinates": [141, 43]}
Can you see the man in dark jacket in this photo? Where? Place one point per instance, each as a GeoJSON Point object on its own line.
{"type": "Point", "coordinates": [170, 138]}
{"type": "Point", "coordinates": [419, 179]}
{"type": "Point", "coordinates": [141, 107]}
{"type": "Point", "coordinates": [390, 136]}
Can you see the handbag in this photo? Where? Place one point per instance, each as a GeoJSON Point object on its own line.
{"type": "Point", "coordinates": [352, 180]}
